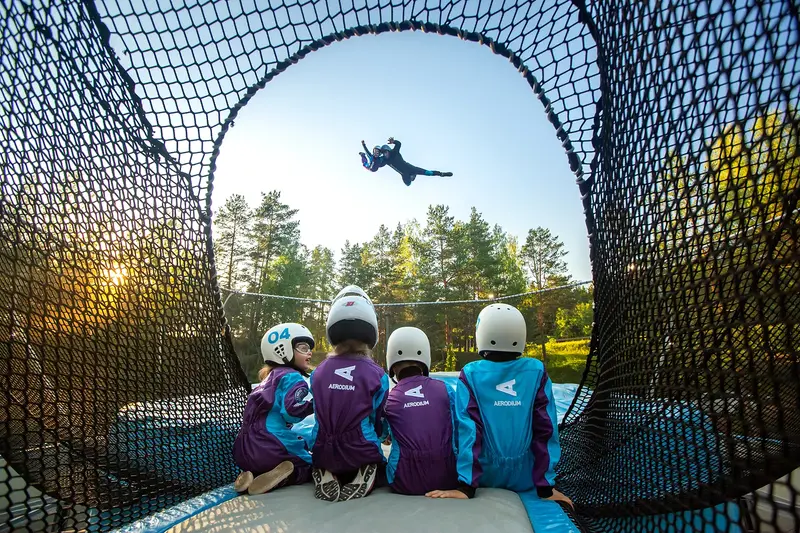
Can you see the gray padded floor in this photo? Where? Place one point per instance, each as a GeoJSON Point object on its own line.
{"type": "Point", "coordinates": [294, 510]}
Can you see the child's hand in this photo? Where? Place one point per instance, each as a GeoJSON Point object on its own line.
{"type": "Point", "coordinates": [455, 494]}
{"type": "Point", "coordinates": [558, 497]}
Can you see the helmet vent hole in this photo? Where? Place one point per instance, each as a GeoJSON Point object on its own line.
{"type": "Point", "coordinates": [399, 352]}
{"type": "Point", "coordinates": [514, 344]}
{"type": "Point", "coordinates": [419, 352]}
{"type": "Point", "coordinates": [493, 343]}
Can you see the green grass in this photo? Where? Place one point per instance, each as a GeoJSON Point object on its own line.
{"type": "Point", "coordinates": [567, 348]}
{"type": "Point", "coordinates": [565, 368]}
{"type": "Point", "coordinates": [566, 361]}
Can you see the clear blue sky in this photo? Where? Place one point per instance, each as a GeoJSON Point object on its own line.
{"type": "Point", "coordinates": [454, 105]}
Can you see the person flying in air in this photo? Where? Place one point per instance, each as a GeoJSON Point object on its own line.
{"type": "Point", "coordinates": [385, 156]}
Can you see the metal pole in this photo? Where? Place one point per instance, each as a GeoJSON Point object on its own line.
{"type": "Point", "coordinates": [386, 339]}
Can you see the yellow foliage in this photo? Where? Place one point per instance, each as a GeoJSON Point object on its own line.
{"type": "Point", "coordinates": [569, 347]}
{"type": "Point", "coordinates": [580, 348]}
{"type": "Point", "coordinates": [750, 172]}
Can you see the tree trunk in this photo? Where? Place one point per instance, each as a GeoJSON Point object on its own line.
{"type": "Point", "coordinates": [446, 338]}
{"type": "Point", "coordinates": [544, 355]}
{"type": "Point", "coordinates": [230, 257]}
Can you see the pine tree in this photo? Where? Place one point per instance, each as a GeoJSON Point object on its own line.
{"type": "Point", "coordinates": [482, 268]}
{"type": "Point", "coordinates": [232, 226]}
{"type": "Point", "coordinates": [321, 286]}
{"type": "Point", "coordinates": [273, 234]}
{"type": "Point", "coordinates": [353, 269]}
{"type": "Point", "coordinates": [322, 281]}
{"type": "Point", "coordinates": [543, 253]}
{"type": "Point", "coordinates": [381, 265]}
{"type": "Point", "coordinates": [511, 275]}
{"type": "Point", "coordinates": [441, 254]}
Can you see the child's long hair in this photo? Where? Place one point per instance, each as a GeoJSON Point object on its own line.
{"type": "Point", "coordinates": [351, 347]}
{"type": "Point", "coordinates": [264, 372]}
{"type": "Point", "coordinates": [269, 367]}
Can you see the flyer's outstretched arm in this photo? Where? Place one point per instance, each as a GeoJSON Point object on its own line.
{"type": "Point", "coordinates": [369, 160]}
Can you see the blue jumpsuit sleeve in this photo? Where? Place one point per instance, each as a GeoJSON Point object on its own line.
{"type": "Point", "coordinates": [470, 433]}
{"type": "Point", "coordinates": [292, 393]}
{"type": "Point", "coordinates": [545, 445]}
{"type": "Point", "coordinates": [315, 427]}
{"type": "Point", "coordinates": [394, 454]}
{"type": "Point", "coordinates": [379, 406]}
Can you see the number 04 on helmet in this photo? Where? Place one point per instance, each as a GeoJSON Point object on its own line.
{"type": "Point", "coordinates": [277, 344]}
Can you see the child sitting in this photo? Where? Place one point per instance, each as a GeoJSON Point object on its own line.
{"type": "Point", "coordinates": [350, 392]}
{"type": "Point", "coordinates": [420, 412]}
{"type": "Point", "coordinates": [266, 446]}
{"type": "Point", "coordinates": [510, 400]}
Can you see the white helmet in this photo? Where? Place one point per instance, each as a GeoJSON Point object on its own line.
{"type": "Point", "coordinates": [352, 317]}
{"type": "Point", "coordinates": [500, 328]}
{"type": "Point", "coordinates": [408, 344]}
{"type": "Point", "coordinates": [277, 344]}
{"type": "Point", "coordinates": [352, 290]}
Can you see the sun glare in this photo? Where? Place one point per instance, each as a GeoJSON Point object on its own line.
{"type": "Point", "coordinates": [116, 275]}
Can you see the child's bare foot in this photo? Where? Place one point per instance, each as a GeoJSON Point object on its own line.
{"type": "Point", "coordinates": [243, 482]}
{"type": "Point", "coordinates": [455, 494]}
{"type": "Point", "coordinates": [559, 497]}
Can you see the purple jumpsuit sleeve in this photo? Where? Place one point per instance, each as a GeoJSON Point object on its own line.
{"type": "Point", "coordinates": [545, 445]}
{"type": "Point", "coordinates": [470, 433]}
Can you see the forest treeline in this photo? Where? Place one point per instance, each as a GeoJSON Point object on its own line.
{"type": "Point", "coordinates": [441, 259]}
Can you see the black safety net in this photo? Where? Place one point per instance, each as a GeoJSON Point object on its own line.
{"type": "Point", "coordinates": [122, 388]}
